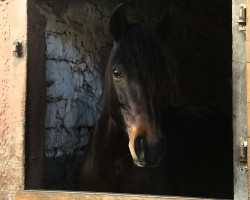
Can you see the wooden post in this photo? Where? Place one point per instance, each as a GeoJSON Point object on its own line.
{"type": "Point", "coordinates": [13, 62]}
{"type": "Point", "coordinates": [248, 84]}
{"type": "Point", "coordinates": [36, 98]}
{"type": "Point", "coordinates": [239, 100]}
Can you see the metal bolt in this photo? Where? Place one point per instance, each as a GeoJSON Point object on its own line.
{"type": "Point", "coordinates": [18, 49]}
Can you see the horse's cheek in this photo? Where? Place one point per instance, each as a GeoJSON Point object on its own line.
{"type": "Point", "coordinates": [121, 94]}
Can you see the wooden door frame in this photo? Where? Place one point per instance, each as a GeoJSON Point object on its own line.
{"type": "Point", "coordinates": [239, 101]}
{"type": "Point", "coordinates": [62, 195]}
{"type": "Point", "coordinates": [248, 85]}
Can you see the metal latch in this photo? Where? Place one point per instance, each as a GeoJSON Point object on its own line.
{"type": "Point", "coordinates": [242, 18]}
{"type": "Point", "coordinates": [243, 153]}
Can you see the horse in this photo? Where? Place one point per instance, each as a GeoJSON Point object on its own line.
{"type": "Point", "coordinates": [144, 144]}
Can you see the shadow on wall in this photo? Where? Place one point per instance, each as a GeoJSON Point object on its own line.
{"type": "Point", "coordinates": [78, 44]}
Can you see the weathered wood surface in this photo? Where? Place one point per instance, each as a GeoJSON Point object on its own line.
{"type": "Point", "coordinates": [59, 195]}
{"type": "Point", "coordinates": [35, 99]}
{"type": "Point", "coordinates": [248, 85]}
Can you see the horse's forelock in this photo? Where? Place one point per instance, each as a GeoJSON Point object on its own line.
{"type": "Point", "coordinates": [141, 53]}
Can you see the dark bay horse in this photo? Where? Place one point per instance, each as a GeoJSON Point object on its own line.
{"type": "Point", "coordinates": [142, 144]}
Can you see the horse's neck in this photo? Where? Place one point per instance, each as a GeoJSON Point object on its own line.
{"type": "Point", "coordinates": [105, 147]}
{"type": "Point", "coordinates": [107, 144]}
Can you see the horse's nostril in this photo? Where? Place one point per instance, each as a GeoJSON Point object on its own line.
{"type": "Point", "coordinates": [142, 143]}
{"type": "Point", "coordinates": [148, 154]}
{"type": "Point", "coordinates": [140, 140]}
{"type": "Point", "coordinates": [139, 146]}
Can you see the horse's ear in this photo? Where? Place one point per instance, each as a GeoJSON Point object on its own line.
{"type": "Point", "coordinates": [118, 22]}
{"type": "Point", "coordinates": [164, 24]}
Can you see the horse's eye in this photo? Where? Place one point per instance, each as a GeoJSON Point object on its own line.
{"type": "Point", "coordinates": [117, 73]}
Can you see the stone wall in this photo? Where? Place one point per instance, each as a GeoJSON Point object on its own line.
{"type": "Point", "coordinates": [74, 90]}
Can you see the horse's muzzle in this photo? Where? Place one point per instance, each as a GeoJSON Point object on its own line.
{"type": "Point", "coordinates": [148, 155]}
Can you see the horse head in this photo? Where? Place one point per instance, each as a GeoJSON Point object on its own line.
{"type": "Point", "coordinates": [138, 76]}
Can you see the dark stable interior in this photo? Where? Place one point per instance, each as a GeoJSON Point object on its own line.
{"type": "Point", "coordinates": [200, 40]}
